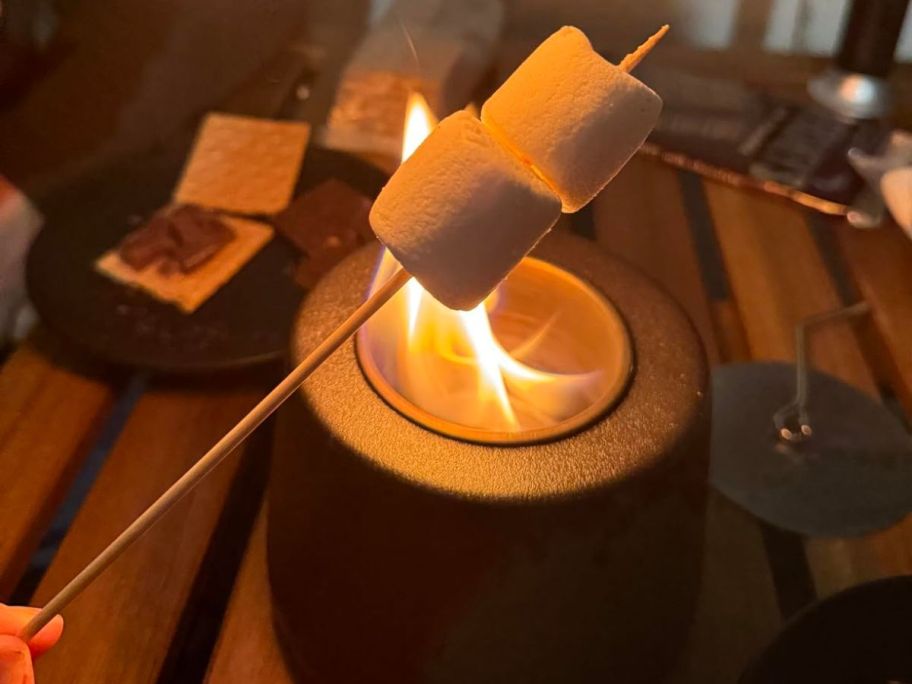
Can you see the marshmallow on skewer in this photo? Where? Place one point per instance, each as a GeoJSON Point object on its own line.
{"type": "Point", "coordinates": [462, 211]}
{"type": "Point", "coordinates": [576, 118]}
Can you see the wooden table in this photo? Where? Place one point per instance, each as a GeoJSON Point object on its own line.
{"type": "Point", "coordinates": [190, 601]}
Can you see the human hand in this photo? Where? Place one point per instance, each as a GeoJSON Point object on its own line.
{"type": "Point", "coordinates": [15, 655]}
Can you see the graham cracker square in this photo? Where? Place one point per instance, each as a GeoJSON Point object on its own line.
{"type": "Point", "coordinates": [243, 165]}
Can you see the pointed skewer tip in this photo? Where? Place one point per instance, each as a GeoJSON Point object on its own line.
{"type": "Point", "coordinates": [630, 62]}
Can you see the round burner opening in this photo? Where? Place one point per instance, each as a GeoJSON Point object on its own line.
{"type": "Point", "coordinates": [543, 357]}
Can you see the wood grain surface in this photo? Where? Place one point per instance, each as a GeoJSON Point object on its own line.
{"type": "Point", "coordinates": [778, 277]}
{"type": "Point", "coordinates": [247, 651]}
{"type": "Point", "coordinates": [50, 411]}
{"type": "Point", "coordinates": [641, 216]}
{"type": "Point", "coordinates": [121, 628]}
{"type": "Point", "coordinates": [880, 264]}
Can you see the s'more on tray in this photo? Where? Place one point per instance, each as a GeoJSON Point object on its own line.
{"type": "Point", "coordinates": [188, 290]}
{"type": "Point", "coordinates": [238, 166]}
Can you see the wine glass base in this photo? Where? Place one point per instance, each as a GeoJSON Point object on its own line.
{"type": "Point", "coordinates": [854, 475]}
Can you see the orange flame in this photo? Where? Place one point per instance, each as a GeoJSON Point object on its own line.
{"type": "Point", "coordinates": [482, 379]}
{"type": "Point", "coordinates": [419, 122]}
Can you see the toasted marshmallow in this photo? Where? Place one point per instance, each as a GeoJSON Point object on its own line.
{"type": "Point", "coordinates": [571, 115]}
{"type": "Point", "coordinates": [462, 211]}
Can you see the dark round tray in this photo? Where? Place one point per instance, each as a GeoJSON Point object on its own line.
{"type": "Point", "coordinates": [247, 322]}
{"type": "Point", "coordinates": [859, 636]}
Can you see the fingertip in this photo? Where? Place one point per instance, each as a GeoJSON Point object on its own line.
{"type": "Point", "coordinates": [47, 636]}
{"type": "Point", "coordinates": [15, 660]}
{"type": "Point", "coordinates": [17, 617]}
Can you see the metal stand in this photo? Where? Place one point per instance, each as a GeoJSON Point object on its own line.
{"type": "Point", "coordinates": [792, 421]}
{"type": "Point", "coordinates": [803, 450]}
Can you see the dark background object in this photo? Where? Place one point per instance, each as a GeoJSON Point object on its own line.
{"type": "Point", "coordinates": [860, 636]}
{"type": "Point", "coordinates": [399, 555]}
{"type": "Point", "coordinates": [871, 34]}
{"type": "Point", "coordinates": [248, 321]}
{"type": "Point", "coordinates": [856, 87]}
{"type": "Point", "coordinates": [117, 78]}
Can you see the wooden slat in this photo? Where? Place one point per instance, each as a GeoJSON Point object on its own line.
{"type": "Point", "coordinates": [880, 263]}
{"type": "Point", "coordinates": [50, 409]}
{"type": "Point", "coordinates": [778, 277]}
{"type": "Point", "coordinates": [730, 331]}
{"type": "Point", "coordinates": [121, 628]}
{"type": "Point", "coordinates": [842, 563]}
{"type": "Point", "coordinates": [246, 651]}
{"type": "Point", "coordinates": [641, 217]}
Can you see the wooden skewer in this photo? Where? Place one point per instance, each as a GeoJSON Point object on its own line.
{"type": "Point", "coordinates": [248, 423]}
{"type": "Point", "coordinates": [214, 456]}
{"type": "Point", "coordinates": [630, 62]}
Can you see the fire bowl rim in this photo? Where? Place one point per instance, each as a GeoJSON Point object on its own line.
{"type": "Point", "coordinates": [667, 394]}
{"type": "Point", "coordinates": [609, 398]}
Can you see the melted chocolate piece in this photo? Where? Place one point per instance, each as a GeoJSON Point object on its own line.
{"type": "Point", "coordinates": [325, 224]}
{"type": "Point", "coordinates": [180, 239]}
{"type": "Point", "coordinates": [198, 235]}
{"type": "Point", "coordinates": [147, 243]}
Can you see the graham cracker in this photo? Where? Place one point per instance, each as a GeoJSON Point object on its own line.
{"type": "Point", "coordinates": [243, 165]}
{"type": "Point", "coordinates": [189, 290]}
